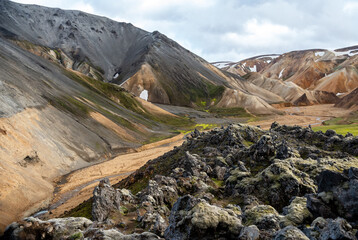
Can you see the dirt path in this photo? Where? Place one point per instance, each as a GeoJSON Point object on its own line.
{"type": "Point", "coordinates": [304, 116]}
{"type": "Point", "coordinates": [78, 186]}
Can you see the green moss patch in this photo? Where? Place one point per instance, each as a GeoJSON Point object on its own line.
{"type": "Point", "coordinates": [69, 104]}
{"type": "Point", "coordinates": [82, 210]}
{"type": "Point", "coordinates": [230, 112]}
{"type": "Point", "coordinates": [340, 129]}
{"type": "Point", "coordinates": [218, 183]}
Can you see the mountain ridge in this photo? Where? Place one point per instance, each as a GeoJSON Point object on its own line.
{"type": "Point", "coordinates": [118, 51]}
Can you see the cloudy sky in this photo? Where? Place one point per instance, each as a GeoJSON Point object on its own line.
{"type": "Point", "coordinates": [233, 29]}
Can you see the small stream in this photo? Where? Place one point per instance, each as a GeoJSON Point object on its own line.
{"type": "Point", "coordinates": [68, 195]}
{"type": "Point", "coordinates": [318, 119]}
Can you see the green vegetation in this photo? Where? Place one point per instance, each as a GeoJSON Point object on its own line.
{"type": "Point", "coordinates": [202, 93]}
{"type": "Point", "coordinates": [218, 183]}
{"type": "Point", "coordinates": [342, 125]}
{"type": "Point", "coordinates": [175, 122]}
{"type": "Point", "coordinates": [139, 185]}
{"type": "Point", "coordinates": [126, 100]}
{"type": "Point", "coordinates": [82, 210]}
{"type": "Point", "coordinates": [247, 143]}
{"type": "Point", "coordinates": [340, 129]}
{"type": "Point", "coordinates": [156, 168]}
{"type": "Point", "coordinates": [117, 119]}
{"type": "Point", "coordinates": [98, 68]}
{"type": "Point", "coordinates": [76, 236]}
{"type": "Point", "coordinates": [200, 127]}
{"type": "Point", "coordinates": [58, 54]}
{"type": "Point", "coordinates": [69, 104]}
{"type": "Point", "coordinates": [230, 112]}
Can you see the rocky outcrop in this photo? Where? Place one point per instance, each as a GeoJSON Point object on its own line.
{"type": "Point", "coordinates": [337, 195]}
{"type": "Point", "coordinates": [58, 228]}
{"type": "Point", "coordinates": [277, 184]}
{"type": "Point", "coordinates": [193, 218]}
{"type": "Point", "coordinates": [67, 228]}
{"type": "Point", "coordinates": [296, 213]}
{"type": "Point", "coordinates": [327, 229]}
{"type": "Point", "coordinates": [290, 233]}
{"type": "Point", "coordinates": [250, 233]}
{"type": "Point", "coordinates": [105, 200]}
{"type": "Point", "coordinates": [241, 182]}
{"type": "Point", "coordinates": [113, 234]}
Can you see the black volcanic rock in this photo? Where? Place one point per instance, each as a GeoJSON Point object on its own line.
{"type": "Point", "coordinates": [180, 195]}
{"type": "Point", "coordinates": [337, 195]}
{"type": "Point", "coordinates": [105, 200]}
{"type": "Point", "coordinates": [192, 218]}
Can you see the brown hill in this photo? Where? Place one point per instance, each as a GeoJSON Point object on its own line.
{"type": "Point", "coordinates": [316, 69]}
{"type": "Point", "coordinates": [349, 101]}
{"type": "Point", "coordinates": [340, 81]}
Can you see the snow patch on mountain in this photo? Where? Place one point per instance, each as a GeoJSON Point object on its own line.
{"type": "Point", "coordinates": [253, 69]}
{"type": "Point", "coordinates": [144, 95]}
{"type": "Point", "coordinates": [280, 75]}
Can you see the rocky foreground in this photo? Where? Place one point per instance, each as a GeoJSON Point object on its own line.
{"type": "Point", "coordinates": [238, 182]}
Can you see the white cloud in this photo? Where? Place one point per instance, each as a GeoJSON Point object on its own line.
{"type": "Point", "coordinates": [350, 7]}
{"type": "Point", "coordinates": [234, 29]}
{"type": "Point", "coordinates": [260, 34]}
{"type": "Point", "coordinates": [85, 7]}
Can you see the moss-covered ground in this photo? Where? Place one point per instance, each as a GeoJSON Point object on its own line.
{"type": "Point", "coordinates": [342, 125]}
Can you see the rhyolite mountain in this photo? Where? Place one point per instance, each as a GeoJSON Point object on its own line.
{"type": "Point", "coordinates": [131, 57]}
{"type": "Point", "coordinates": [302, 77]}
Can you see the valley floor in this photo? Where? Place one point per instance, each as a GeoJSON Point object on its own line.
{"type": "Point", "coordinates": [303, 116]}
{"type": "Point", "coordinates": [78, 186]}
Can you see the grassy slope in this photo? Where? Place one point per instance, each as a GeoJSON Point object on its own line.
{"type": "Point", "coordinates": [111, 101]}
{"type": "Point", "coordinates": [341, 125]}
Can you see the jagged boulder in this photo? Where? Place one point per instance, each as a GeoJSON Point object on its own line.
{"type": "Point", "coordinates": [153, 194]}
{"type": "Point", "coordinates": [161, 191]}
{"type": "Point", "coordinates": [105, 200]}
{"type": "Point", "coordinates": [264, 217]}
{"type": "Point", "coordinates": [67, 228]}
{"type": "Point", "coordinates": [284, 151]}
{"type": "Point", "coordinates": [277, 184]}
{"type": "Point", "coordinates": [56, 229]}
{"type": "Point", "coordinates": [337, 195]}
{"type": "Point", "coordinates": [153, 222]}
{"type": "Point", "coordinates": [192, 164]}
{"type": "Point", "coordinates": [290, 233]}
{"type": "Point", "coordinates": [296, 213]}
{"type": "Point", "coordinates": [127, 197]}
{"type": "Point", "coordinates": [263, 150]}
{"type": "Point", "coordinates": [327, 229]}
{"type": "Point", "coordinates": [337, 229]}
{"type": "Point", "coordinates": [249, 233]}
{"type": "Point", "coordinates": [114, 234]}
{"type": "Point", "coordinates": [193, 218]}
